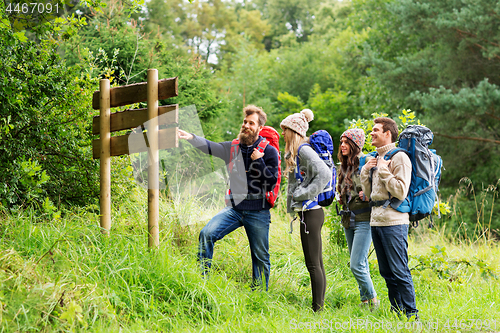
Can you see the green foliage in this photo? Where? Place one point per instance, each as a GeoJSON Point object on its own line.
{"type": "Point", "coordinates": [449, 269]}
{"type": "Point", "coordinates": [406, 118]}
{"type": "Point", "coordinates": [336, 235]}
{"type": "Point", "coordinates": [46, 116]}
{"type": "Point", "coordinates": [297, 69]}
{"type": "Point", "coordinates": [45, 140]}
{"type": "Point", "coordinates": [471, 139]}
{"type": "Point", "coordinates": [289, 102]}
{"type": "Point", "coordinates": [244, 80]}
{"type": "Point", "coordinates": [319, 74]}
{"type": "Point", "coordinates": [115, 47]}
{"type": "Point", "coordinates": [73, 316]}
{"type": "Point", "coordinates": [66, 276]}
{"type": "Point", "coordinates": [31, 179]}
{"type": "Point", "coordinates": [442, 208]}
{"type": "Point", "coordinates": [330, 108]}
{"type": "Point", "coordinates": [441, 60]}
{"type": "Point", "coordinates": [35, 20]}
{"type": "Point", "coordinates": [287, 17]}
{"type": "Point", "coordinates": [473, 214]}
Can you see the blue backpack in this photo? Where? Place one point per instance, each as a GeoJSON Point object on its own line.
{"type": "Point", "coordinates": [322, 144]}
{"type": "Point", "coordinates": [425, 174]}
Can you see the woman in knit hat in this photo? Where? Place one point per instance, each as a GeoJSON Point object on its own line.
{"type": "Point", "coordinates": [300, 156]}
{"type": "Point", "coordinates": [356, 212]}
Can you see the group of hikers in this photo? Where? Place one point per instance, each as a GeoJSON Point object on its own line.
{"type": "Point", "coordinates": [362, 192]}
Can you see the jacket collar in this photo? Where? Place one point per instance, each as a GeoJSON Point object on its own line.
{"type": "Point", "coordinates": [383, 150]}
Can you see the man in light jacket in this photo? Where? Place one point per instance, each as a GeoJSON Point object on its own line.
{"type": "Point", "coordinates": [389, 227]}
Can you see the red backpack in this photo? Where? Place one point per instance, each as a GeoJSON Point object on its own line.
{"type": "Point", "coordinates": [271, 137]}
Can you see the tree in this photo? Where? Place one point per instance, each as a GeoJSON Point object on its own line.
{"type": "Point", "coordinates": [120, 50]}
{"type": "Point", "coordinates": [288, 17]}
{"type": "Point", "coordinates": [441, 59]}
{"type": "Point", "coordinates": [212, 29]}
{"type": "Point", "coordinates": [45, 135]}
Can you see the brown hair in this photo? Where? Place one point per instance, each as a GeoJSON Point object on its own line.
{"type": "Point", "coordinates": [349, 164]}
{"type": "Point", "coordinates": [388, 125]}
{"type": "Point", "coordinates": [251, 109]}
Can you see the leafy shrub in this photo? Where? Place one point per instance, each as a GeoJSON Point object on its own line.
{"type": "Point", "coordinates": [446, 268]}
{"type": "Point", "coordinates": [336, 235]}
{"type": "Point", "coordinates": [45, 139]}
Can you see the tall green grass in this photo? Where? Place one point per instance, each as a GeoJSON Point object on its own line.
{"type": "Point", "coordinates": [475, 212]}
{"type": "Point", "coordinates": [64, 275]}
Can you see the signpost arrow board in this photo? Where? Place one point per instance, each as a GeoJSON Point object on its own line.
{"type": "Point", "coordinates": [107, 146]}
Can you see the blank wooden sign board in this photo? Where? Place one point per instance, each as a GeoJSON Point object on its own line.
{"type": "Point", "coordinates": [107, 146]}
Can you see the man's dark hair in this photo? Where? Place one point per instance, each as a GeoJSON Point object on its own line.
{"type": "Point", "coordinates": [388, 125]}
{"type": "Point", "coordinates": [251, 109]}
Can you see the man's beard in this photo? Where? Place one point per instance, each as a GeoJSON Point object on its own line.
{"type": "Point", "coordinates": [249, 137]}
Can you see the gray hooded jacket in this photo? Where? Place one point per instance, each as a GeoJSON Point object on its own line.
{"type": "Point", "coordinates": [316, 177]}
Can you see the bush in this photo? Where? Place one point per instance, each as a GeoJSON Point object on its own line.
{"type": "Point", "coordinates": [44, 118]}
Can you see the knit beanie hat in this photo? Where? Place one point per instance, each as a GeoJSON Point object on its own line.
{"type": "Point", "coordinates": [298, 122]}
{"type": "Point", "coordinates": [357, 135]}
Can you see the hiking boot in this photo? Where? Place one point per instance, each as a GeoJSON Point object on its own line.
{"type": "Point", "coordinates": [364, 305]}
{"type": "Point", "coordinates": [412, 316]}
{"type": "Point", "coordinates": [374, 305]}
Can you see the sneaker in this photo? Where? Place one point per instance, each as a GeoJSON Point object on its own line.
{"type": "Point", "coordinates": [364, 305]}
{"type": "Point", "coordinates": [413, 316]}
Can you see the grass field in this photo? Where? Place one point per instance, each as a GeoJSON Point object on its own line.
{"type": "Point", "coordinates": [63, 275]}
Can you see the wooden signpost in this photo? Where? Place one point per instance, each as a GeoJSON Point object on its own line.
{"type": "Point", "coordinates": [107, 146]}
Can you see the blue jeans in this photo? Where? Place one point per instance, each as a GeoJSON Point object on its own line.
{"type": "Point", "coordinates": [391, 246]}
{"type": "Point", "coordinates": [256, 224]}
{"type": "Point", "coordinates": [358, 241]}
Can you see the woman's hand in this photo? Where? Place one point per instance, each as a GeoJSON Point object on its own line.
{"type": "Point", "coordinates": [362, 196]}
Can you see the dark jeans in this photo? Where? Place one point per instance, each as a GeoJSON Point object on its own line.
{"type": "Point", "coordinates": [256, 224]}
{"type": "Point", "coordinates": [391, 246]}
{"type": "Point", "coordinates": [313, 254]}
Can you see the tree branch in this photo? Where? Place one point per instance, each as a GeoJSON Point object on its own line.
{"type": "Point", "coordinates": [467, 138]}
{"type": "Point", "coordinates": [462, 33]}
{"type": "Point", "coordinates": [475, 36]}
{"type": "Point", "coordinates": [492, 115]}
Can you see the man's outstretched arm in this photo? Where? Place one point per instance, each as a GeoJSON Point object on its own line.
{"type": "Point", "coordinates": [221, 150]}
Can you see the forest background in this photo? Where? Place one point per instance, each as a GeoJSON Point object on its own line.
{"type": "Point", "coordinates": [345, 60]}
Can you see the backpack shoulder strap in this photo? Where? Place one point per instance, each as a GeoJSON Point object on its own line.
{"type": "Point", "coordinates": [393, 152]}
{"type": "Point", "coordinates": [262, 145]}
{"type": "Point", "coordinates": [302, 145]}
{"type": "Point", "coordinates": [235, 149]}
{"type": "Point", "coordinates": [298, 176]}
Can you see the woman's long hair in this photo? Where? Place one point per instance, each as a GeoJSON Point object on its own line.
{"type": "Point", "coordinates": [348, 165]}
{"type": "Point", "coordinates": [293, 140]}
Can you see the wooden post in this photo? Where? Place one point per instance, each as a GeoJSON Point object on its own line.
{"type": "Point", "coordinates": [107, 146]}
{"type": "Point", "coordinates": [153, 177]}
{"type": "Point", "coordinates": [104, 129]}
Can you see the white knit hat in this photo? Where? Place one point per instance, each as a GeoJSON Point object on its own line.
{"type": "Point", "coordinates": [298, 122]}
